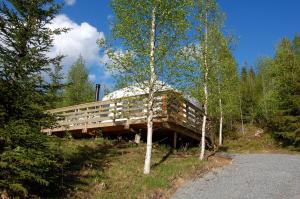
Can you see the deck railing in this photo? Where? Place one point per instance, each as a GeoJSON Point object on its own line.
{"type": "Point", "coordinates": [167, 108]}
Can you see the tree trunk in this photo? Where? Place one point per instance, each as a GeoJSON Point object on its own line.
{"type": "Point", "coordinates": [205, 88]}
{"type": "Point", "coordinates": [241, 111]}
{"type": "Point", "coordinates": [151, 96]}
{"type": "Point", "coordinates": [221, 116]}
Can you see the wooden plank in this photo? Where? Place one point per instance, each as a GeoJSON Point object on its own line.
{"type": "Point", "coordinates": [112, 113]}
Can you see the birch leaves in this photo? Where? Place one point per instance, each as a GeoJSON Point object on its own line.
{"type": "Point", "coordinates": [151, 33]}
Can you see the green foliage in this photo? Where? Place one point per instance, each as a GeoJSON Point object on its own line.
{"type": "Point", "coordinates": [287, 68]}
{"type": "Point", "coordinates": [267, 94]}
{"type": "Point", "coordinates": [27, 164]}
{"type": "Point", "coordinates": [151, 33]}
{"type": "Point", "coordinates": [79, 89]}
{"type": "Point", "coordinates": [250, 142]}
{"type": "Point", "coordinates": [224, 83]}
{"type": "Point", "coordinates": [275, 92]}
{"type": "Point", "coordinates": [56, 86]}
{"type": "Point", "coordinates": [222, 79]}
{"type": "Point", "coordinates": [132, 27]}
{"type": "Point", "coordinates": [248, 94]}
{"type": "Point", "coordinates": [193, 55]}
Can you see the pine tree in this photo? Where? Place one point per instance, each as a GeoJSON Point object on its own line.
{"type": "Point", "coordinates": [27, 164]}
{"type": "Point", "coordinates": [78, 87]}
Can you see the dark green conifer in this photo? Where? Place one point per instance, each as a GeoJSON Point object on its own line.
{"type": "Point", "coordinates": [78, 89]}
{"type": "Point", "coordinates": [26, 162]}
{"type": "Point", "coordinates": [286, 73]}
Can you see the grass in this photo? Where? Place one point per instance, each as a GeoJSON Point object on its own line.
{"type": "Point", "coordinates": [104, 169]}
{"type": "Point", "coordinates": [253, 141]}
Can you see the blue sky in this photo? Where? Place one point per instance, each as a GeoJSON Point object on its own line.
{"type": "Point", "coordinates": [257, 24]}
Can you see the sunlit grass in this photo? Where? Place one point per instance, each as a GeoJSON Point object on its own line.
{"type": "Point", "coordinates": [251, 142]}
{"type": "Point", "coordinates": [104, 169]}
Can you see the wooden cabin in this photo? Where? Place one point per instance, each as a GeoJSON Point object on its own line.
{"type": "Point", "coordinates": [124, 112]}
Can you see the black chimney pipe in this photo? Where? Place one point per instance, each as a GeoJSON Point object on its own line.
{"type": "Point", "coordinates": [97, 92]}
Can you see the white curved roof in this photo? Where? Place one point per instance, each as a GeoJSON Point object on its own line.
{"type": "Point", "coordinates": [135, 90]}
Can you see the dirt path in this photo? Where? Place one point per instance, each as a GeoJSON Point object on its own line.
{"type": "Point", "coordinates": [253, 176]}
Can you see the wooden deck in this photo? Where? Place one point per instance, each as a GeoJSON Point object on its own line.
{"type": "Point", "coordinates": [129, 115]}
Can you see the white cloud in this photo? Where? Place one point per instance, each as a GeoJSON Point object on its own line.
{"type": "Point", "coordinates": [70, 2]}
{"type": "Point", "coordinates": [79, 40]}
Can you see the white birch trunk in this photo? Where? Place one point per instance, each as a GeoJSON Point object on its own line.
{"type": "Point", "coordinates": [150, 96]}
{"type": "Point", "coordinates": [204, 122]}
{"type": "Point", "coordinates": [205, 89]}
{"type": "Point", "coordinates": [221, 124]}
{"type": "Point", "coordinates": [221, 116]}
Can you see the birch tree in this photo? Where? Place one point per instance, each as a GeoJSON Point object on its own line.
{"type": "Point", "coordinates": [223, 82]}
{"type": "Point", "coordinates": [205, 82]}
{"type": "Point", "coordinates": [227, 85]}
{"type": "Point", "coordinates": [148, 33]}
{"type": "Point", "coordinates": [207, 22]}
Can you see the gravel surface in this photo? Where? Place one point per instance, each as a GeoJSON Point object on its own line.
{"type": "Point", "coordinates": [253, 176]}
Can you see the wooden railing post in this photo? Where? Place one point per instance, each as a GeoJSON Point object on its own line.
{"type": "Point", "coordinates": [187, 112]}
{"type": "Point", "coordinates": [114, 112]}
{"type": "Point", "coordinates": [164, 107]}
{"type": "Point", "coordinates": [86, 120]}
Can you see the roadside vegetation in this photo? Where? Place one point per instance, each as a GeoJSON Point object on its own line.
{"type": "Point", "coordinates": [254, 140]}
{"type": "Point", "coordinates": [109, 169]}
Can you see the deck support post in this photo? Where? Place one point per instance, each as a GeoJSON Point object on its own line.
{"type": "Point", "coordinates": [137, 138]}
{"type": "Point", "coordinates": [175, 142]}
{"type": "Point", "coordinates": [49, 133]}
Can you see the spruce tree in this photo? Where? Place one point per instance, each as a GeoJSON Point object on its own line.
{"type": "Point", "coordinates": [27, 165]}
{"type": "Point", "coordinates": [287, 69]}
{"type": "Point", "coordinates": [78, 87]}
{"type": "Point", "coordinates": [56, 86]}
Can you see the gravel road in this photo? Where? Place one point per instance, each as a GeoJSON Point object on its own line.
{"type": "Point", "coordinates": [253, 176]}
